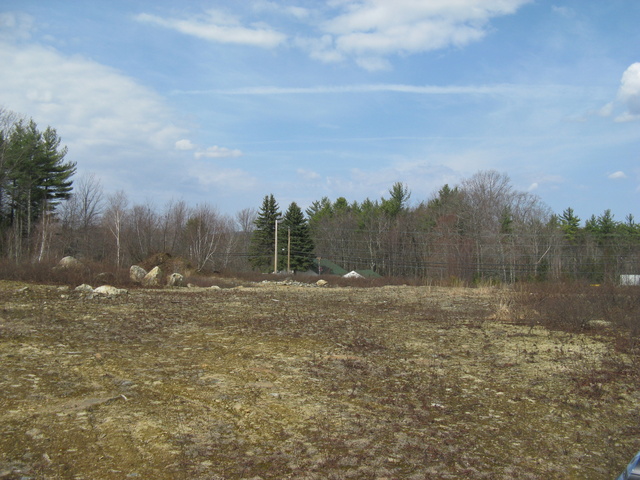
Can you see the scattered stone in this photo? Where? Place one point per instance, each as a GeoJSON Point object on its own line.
{"type": "Point", "coordinates": [137, 273]}
{"type": "Point", "coordinates": [110, 291]}
{"type": "Point", "coordinates": [152, 279]}
{"type": "Point", "coordinates": [84, 288]}
{"type": "Point", "coordinates": [599, 324]}
{"type": "Point", "coordinates": [175, 280]}
{"type": "Point", "coordinates": [214, 287]}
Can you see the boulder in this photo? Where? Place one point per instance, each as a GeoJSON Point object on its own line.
{"type": "Point", "coordinates": [175, 280]}
{"type": "Point", "coordinates": [322, 283]}
{"type": "Point", "coordinates": [84, 288]}
{"type": "Point", "coordinates": [137, 273]}
{"type": "Point", "coordinates": [352, 274]}
{"type": "Point", "coordinates": [69, 262]}
{"type": "Point", "coordinates": [109, 291]}
{"type": "Point", "coordinates": [152, 279]}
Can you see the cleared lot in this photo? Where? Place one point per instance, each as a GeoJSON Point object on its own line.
{"type": "Point", "coordinates": [275, 381]}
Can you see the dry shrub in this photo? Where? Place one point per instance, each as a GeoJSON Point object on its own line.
{"type": "Point", "coordinates": [579, 307]}
{"type": "Point", "coordinates": [92, 273]}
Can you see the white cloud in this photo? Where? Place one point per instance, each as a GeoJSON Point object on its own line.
{"type": "Point", "coordinates": [370, 30]}
{"type": "Point", "coordinates": [617, 175]}
{"type": "Point", "coordinates": [218, 152]}
{"type": "Point", "coordinates": [629, 93]}
{"type": "Point", "coordinates": [291, 10]}
{"type": "Point", "coordinates": [89, 104]}
{"type": "Point", "coordinates": [185, 144]}
{"type": "Point", "coordinates": [367, 31]}
{"type": "Point", "coordinates": [217, 27]}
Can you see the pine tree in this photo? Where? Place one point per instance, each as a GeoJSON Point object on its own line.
{"type": "Point", "coordinates": [34, 177]}
{"type": "Point", "coordinates": [301, 247]}
{"type": "Point", "coordinates": [570, 225]}
{"type": "Point", "coordinates": [261, 248]}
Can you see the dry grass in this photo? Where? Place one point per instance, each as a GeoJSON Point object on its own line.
{"type": "Point", "coordinates": [272, 381]}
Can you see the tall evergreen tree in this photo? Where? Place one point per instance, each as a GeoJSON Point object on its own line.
{"type": "Point", "coordinates": [301, 248]}
{"type": "Point", "coordinates": [398, 202]}
{"type": "Point", "coordinates": [261, 248]}
{"type": "Point", "coordinates": [34, 177]}
{"type": "Point", "coordinates": [570, 224]}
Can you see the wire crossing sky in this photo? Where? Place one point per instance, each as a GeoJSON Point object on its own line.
{"type": "Point", "coordinates": [224, 102]}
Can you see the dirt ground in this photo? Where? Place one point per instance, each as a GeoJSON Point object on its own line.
{"type": "Point", "coordinates": [277, 381]}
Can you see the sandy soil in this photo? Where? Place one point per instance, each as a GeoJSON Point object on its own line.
{"type": "Point", "coordinates": [273, 381]}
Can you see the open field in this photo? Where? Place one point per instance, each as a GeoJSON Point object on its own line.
{"type": "Point", "coordinates": [273, 381]}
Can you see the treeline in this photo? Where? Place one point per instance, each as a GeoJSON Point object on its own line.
{"type": "Point", "coordinates": [481, 229]}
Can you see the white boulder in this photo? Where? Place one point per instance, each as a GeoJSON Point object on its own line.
{"type": "Point", "coordinates": [152, 279]}
{"type": "Point", "coordinates": [109, 291]}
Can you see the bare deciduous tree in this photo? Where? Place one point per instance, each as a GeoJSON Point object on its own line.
{"type": "Point", "coordinates": [114, 218]}
{"type": "Point", "coordinates": [208, 235]}
{"type": "Point", "coordinates": [80, 216]}
{"type": "Point", "coordinates": [142, 231]}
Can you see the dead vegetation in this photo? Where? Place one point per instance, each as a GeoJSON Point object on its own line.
{"type": "Point", "coordinates": [273, 381]}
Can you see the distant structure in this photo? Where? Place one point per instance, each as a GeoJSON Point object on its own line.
{"type": "Point", "coordinates": [629, 279]}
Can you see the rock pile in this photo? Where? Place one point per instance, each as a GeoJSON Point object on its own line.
{"type": "Point", "coordinates": [154, 277]}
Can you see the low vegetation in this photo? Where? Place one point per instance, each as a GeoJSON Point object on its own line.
{"type": "Point", "coordinates": [273, 380]}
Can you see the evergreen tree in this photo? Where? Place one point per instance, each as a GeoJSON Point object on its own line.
{"type": "Point", "coordinates": [261, 248]}
{"type": "Point", "coordinates": [400, 195]}
{"type": "Point", "coordinates": [570, 224]}
{"type": "Point", "coordinates": [297, 229]}
{"type": "Point", "coordinates": [34, 177]}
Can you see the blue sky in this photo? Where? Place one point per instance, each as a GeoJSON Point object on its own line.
{"type": "Point", "coordinates": [223, 102]}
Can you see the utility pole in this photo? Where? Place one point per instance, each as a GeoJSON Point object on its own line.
{"type": "Point", "coordinates": [275, 252]}
{"type": "Point", "coordinates": [288, 249]}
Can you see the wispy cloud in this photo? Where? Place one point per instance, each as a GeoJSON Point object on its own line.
{"type": "Point", "coordinates": [366, 31]}
{"type": "Point", "coordinates": [217, 27]}
{"type": "Point", "coordinates": [619, 175]}
{"type": "Point", "coordinates": [307, 174]}
{"type": "Point", "coordinates": [273, 7]}
{"type": "Point", "coordinates": [15, 26]}
{"type": "Point", "coordinates": [497, 89]}
{"type": "Point", "coordinates": [185, 144]}
{"type": "Point", "coordinates": [218, 152]}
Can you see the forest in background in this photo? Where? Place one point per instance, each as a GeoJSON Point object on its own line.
{"type": "Point", "coordinates": [479, 230]}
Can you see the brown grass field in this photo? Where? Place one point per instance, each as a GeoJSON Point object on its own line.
{"type": "Point", "coordinates": [275, 381]}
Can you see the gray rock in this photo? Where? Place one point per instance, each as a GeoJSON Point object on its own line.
{"type": "Point", "coordinates": [175, 280]}
{"type": "Point", "coordinates": [137, 273]}
{"type": "Point", "coordinates": [70, 262]}
{"type": "Point", "coordinates": [84, 288]}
